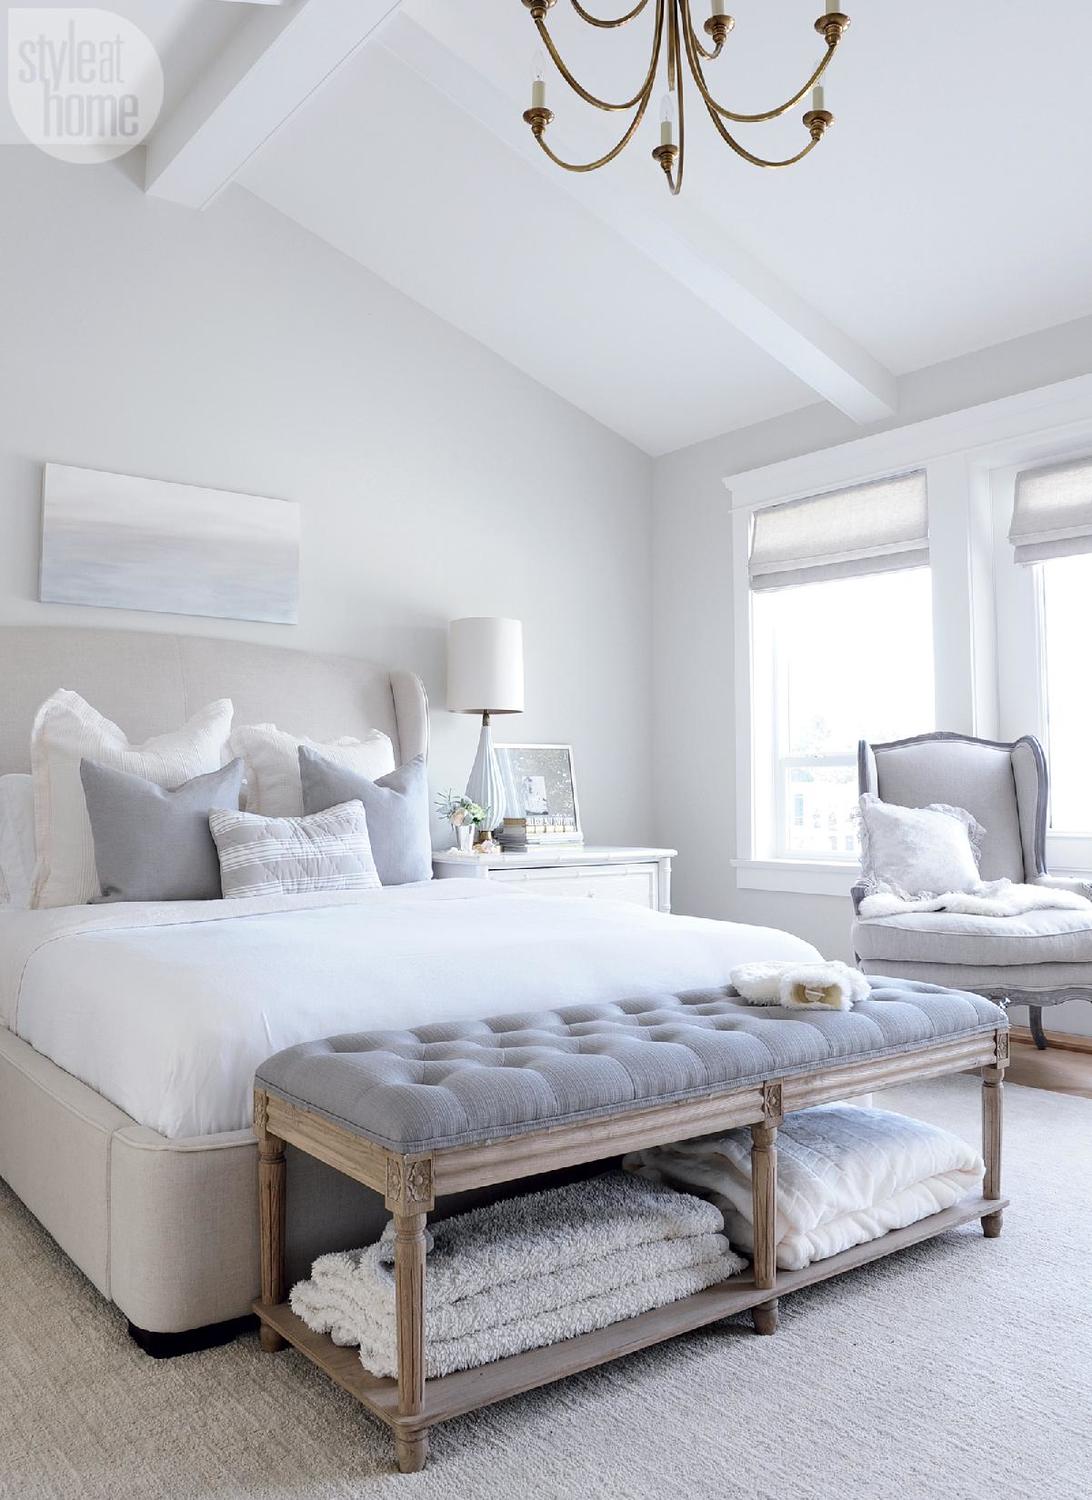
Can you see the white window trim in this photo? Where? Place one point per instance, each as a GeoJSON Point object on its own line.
{"type": "Point", "coordinates": [960, 453]}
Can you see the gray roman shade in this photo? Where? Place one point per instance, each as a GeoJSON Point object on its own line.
{"type": "Point", "coordinates": [871, 528]}
{"type": "Point", "coordinates": [1052, 516]}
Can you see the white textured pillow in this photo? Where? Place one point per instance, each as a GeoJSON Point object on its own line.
{"type": "Point", "coordinates": [68, 730]}
{"type": "Point", "coordinates": [272, 758]}
{"type": "Point", "coordinates": [918, 851]}
{"type": "Point", "coordinates": [17, 850]}
{"type": "Point", "coordinates": [327, 851]}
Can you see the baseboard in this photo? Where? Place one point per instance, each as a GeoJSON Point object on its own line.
{"type": "Point", "coordinates": [1059, 1041]}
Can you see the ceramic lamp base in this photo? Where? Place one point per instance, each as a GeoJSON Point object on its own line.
{"type": "Point", "coordinates": [484, 786]}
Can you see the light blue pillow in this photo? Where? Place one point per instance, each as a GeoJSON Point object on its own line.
{"type": "Point", "coordinates": [396, 806]}
{"type": "Point", "coordinates": [152, 843]}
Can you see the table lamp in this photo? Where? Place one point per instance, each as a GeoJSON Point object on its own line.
{"type": "Point", "coordinates": [485, 676]}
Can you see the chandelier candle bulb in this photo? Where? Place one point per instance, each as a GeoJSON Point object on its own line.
{"type": "Point", "coordinates": [818, 97]}
{"type": "Point", "coordinates": [538, 82]}
{"type": "Point", "coordinates": [667, 121]}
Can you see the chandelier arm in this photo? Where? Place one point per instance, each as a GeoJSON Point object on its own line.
{"type": "Point", "coordinates": [593, 166]}
{"type": "Point", "coordinates": [694, 41]}
{"type": "Point", "coordinates": [759, 161]}
{"type": "Point", "coordinates": [579, 88]}
{"type": "Point", "coordinates": [608, 25]}
{"type": "Point", "coordinates": [694, 59]}
{"type": "Point", "coordinates": [675, 179]}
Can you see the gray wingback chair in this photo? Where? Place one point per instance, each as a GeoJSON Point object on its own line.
{"type": "Point", "coordinates": [1038, 959]}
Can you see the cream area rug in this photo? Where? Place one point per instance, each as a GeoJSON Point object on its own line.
{"type": "Point", "coordinates": [957, 1369]}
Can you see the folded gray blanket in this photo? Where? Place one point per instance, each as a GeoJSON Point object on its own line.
{"type": "Point", "coordinates": [530, 1271]}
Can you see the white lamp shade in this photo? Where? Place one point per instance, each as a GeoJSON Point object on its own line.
{"type": "Point", "coordinates": [485, 666]}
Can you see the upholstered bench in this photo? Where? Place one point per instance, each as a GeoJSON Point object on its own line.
{"type": "Point", "coordinates": [438, 1109]}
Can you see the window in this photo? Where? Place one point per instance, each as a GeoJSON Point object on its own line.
{"type": "Point", "coordinates": [1043, 582]}
{"type": "Point", "coordinates": [1065, 589]}
{"type": "Point", "coordinates": [834, 662]}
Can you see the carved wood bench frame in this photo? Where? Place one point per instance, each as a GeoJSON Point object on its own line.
{"type": "Point", "coordinates": [410, 1185]}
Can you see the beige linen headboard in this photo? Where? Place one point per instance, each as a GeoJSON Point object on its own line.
{"type": "Point", "coordinates": [150, 682]}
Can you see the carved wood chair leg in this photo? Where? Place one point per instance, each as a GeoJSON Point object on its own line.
{"type": "Point", "coordinates": [764, 1213]}
{"type": "Point", "coordinates": [992, 1103]}
{"type": "Point", "coordinates": [271, 1221]}
{"type": "Point", "coordinates": [1035, 1022]}
{"type": "Point", "coordinates": [409, 1289]}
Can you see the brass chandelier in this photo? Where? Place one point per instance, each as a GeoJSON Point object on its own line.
{"type": "Point", "coordinates": [675, 36]}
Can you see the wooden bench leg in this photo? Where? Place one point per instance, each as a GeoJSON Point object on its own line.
{"type": "Point", "coordinates": [271, 1205]}
{"type": "Point", "coordinates": [992, 1099]}
{"type": "Point", "coordinates": [764, 1211]}
{"type": "Point", "coordinates": [409, 1286]}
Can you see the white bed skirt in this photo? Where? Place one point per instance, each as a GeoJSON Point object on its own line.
{"type": "Point", "coordinates": [168, 1230]}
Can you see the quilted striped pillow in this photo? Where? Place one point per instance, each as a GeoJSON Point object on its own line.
{"type": "Point", "coordinates": [327, 851]}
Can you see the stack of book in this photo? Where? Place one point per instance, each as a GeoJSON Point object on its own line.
{"type": "Point", "coordinates": [522, 833]}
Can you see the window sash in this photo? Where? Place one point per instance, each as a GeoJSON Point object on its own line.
{"type": "Point", "coordinates": [782, 830]}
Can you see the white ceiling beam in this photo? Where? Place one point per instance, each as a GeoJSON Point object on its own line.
{"type": "Point", "coordinates": [271, 67]}
{"type": "Point", "coordinates": [676, 236]}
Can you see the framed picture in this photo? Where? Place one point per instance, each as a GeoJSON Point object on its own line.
{"type": "Point", "coordinates": [118, 542]}
{"type": "Point", "coordinates": [540, 786]}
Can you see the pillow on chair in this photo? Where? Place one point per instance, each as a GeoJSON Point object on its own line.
{"type": "Point", "coordinates": [912, 852]}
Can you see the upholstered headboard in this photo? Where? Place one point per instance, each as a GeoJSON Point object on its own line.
{"type": "Point", "coordinates": [150, 682]}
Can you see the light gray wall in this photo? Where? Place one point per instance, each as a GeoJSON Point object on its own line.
{"type": "Point", "coordinates": [694, 730]}
{"type": "Point", "coordinates": [232, 349]}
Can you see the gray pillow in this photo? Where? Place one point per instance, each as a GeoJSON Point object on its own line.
{"type": "Point", "coordinates": [396, 806]}
{"type": "Point", "coordinates": [154, 844]}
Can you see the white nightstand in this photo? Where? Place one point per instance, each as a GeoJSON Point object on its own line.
{"type": "Point", "coordinates": [642, 876]}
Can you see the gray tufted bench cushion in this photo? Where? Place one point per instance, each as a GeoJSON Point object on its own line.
{"type": "Point", "coordinates": [462, 1082]}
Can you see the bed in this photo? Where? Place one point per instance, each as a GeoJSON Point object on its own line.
{"type": "Point", "coordinates": [129, 1034]}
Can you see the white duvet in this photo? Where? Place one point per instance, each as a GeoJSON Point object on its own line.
{"type": "Point", "coordinates": [166, 1009]}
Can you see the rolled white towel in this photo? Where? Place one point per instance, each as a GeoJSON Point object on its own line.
{"type": "Point", "coordinates": [801, 986]}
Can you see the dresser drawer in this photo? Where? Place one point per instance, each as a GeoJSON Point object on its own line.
{"type": "Point", "coordinates": [634, 883]}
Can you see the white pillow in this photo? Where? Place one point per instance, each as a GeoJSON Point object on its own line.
{"type": "Point", "coordinates": [65, 731]}
{"type": "Point", "coordinates": [17, 848]}
{"type": "Point", "coordinates": [272, 758]}
{"type": "Point", "coordinates": [918, 851]}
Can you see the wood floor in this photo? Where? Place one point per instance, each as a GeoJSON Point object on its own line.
{"type": "Point", "coordinates": [1062, 1070]}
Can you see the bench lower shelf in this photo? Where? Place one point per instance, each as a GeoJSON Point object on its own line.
{"type": "Point", "coordinates": [467, 1390]}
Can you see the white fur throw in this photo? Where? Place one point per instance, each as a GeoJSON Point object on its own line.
{"type": "Point", "coordinates": [519, 1274]}
{"type": "Point", "coordinates": [989, 898]}
{"type": "Point", "coordinates": [845, 1175]}
{"type": "Point", "coordinates": [799, 986]}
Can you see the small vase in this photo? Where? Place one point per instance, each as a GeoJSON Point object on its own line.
{"type": "Point", "coordinates": [464, 837]}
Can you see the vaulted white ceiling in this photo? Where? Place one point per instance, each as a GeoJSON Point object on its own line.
{"type": "Point", "coordinates": [947, 209]}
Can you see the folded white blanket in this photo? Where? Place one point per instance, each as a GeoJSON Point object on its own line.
{"type": "Point", "coordinates": [991, 898]}
{"type": "Point", "coordinates": [845, 1175]}
{"type": "Point", "coordinates": [518, 1274]}
{"type": "Point", "coordinates": [799, 986]}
